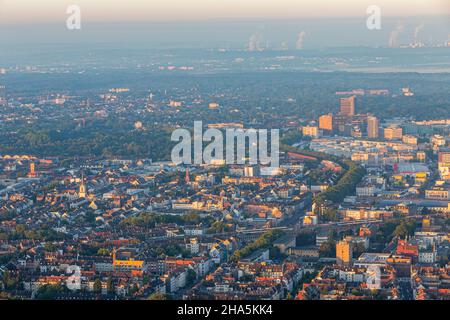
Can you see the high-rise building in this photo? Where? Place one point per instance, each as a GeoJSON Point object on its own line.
{"type": "Point", "coordinates": [410, 139]}
{"type": "Point", "coordinates": [311, 131]}
{"type": "Point", "coordinates": [421, 156]}
{"type": "Point", "coordinates": [344, 252]}
{"type": "Point", "coordinates": [444, 165]}
{"type": "Point", "coordinates": [251, 171]}
{"type": "Point", "coordinates": [340, 122]}
{"type": "Point", "coordinates": [393, 133]}
{"type": "Point", "coordinates": [444, 157]}
{"type": "Point", "coordinates": [326, 122]}
{"type": "Point", "coordinates": [347, 106]}
{"type": "Point", "coordinates": [438, 141]}
{"type": "Point", "coordinates": [2, 95]}
{"type": "Point", "coordinates": [372, 127]}
{"type": "Point", "coordinates": [360, 120]}
{"type": "Point", "coordinates": [32, 172]}
{"type": "Point", "coordinates": [356, 132]}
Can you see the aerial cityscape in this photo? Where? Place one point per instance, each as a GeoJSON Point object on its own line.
{"type": "Point", "coordinates": [354, 203]}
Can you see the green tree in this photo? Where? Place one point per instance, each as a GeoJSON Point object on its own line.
{"type": "Point", "coordinates": [97, 288]}
{"type": "Point", "coordinates": [358, 249]}
{"type": "Point", "coordinates": [405, 228]}
{"type": "Point", "coordinates": [191, 277]}
{"type": "Point", "coordinates": [328, 249]}
{"type": "Point", "coordinates": [49, 292]}
{"type": "Point", "coordinates": [110, 286]}
{"type": "Point", "coordinates": [264, 241]}
{"type": "Point", "coordinates": [103, 252]}
{"type": "Point", "coordinates": [158, 296]}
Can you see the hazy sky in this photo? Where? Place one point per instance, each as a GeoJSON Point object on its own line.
{"type": "Point", "coordinates": [32, 11]}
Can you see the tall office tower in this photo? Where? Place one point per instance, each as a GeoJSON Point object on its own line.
{"type": "Point", "coordinates": [372, 127]}
{"type": "Point", "coordinates": [347, 106]}
{"type": "Point", "coordinates": [339, 122]}
{"type": "Point", "coordinates": [360, 121]}
{"type": "Point", "coordinates": [326, 122]}
{"type": "Point", "coordinates": [344, 252]}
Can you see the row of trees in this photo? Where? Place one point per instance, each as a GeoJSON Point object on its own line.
{"type": "Point", "coordinates": [51, 292]}
{"type": "Point", "coordinates": [220, 227]}
{"type": "Point", "coordinates": [345, 186]}
{"type": "Point", "coordinates": [21, 232]}
{"type": "Point", "coordinates": [149, 220]}
{"type": "Point", "coordinates": [394, 228]}
{"type": "Point", "coordinates": [263, 242]}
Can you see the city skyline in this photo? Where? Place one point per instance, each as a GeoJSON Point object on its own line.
{"type": "Point", "coordinates": [244, 151]}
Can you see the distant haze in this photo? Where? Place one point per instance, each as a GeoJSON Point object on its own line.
{"type": "Point", "coordinates": [254, 25]}
{"type": "Point", "coordinates": [33, 11]}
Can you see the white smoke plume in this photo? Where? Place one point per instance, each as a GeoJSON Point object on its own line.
{"type": "Point", "coordinates": [300, 38]}
{"type": "Point", "coordinates": [417, 31]}
{"type": "Point", "coordinates": [393, 37]}
{"type": "Point", "coordinates": [254, 43]}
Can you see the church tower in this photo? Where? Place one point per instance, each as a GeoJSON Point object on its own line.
{"type": "Point", "coordinates": [32, 172]}
{"type": "Point", "coordinates": [82, 191]}
{"type": "Point", "coordinates": [187, 179]}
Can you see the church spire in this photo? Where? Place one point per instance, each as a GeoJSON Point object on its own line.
{"type": "Point", "coordinates": [187, 179]}
{"type": "Point", "coordinates": [82, 189]}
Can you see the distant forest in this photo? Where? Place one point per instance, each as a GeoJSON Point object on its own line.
{"type": "Point", "coordinates": [266, 99]}
{"type": "Point", "coordinates": [301, 94]}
